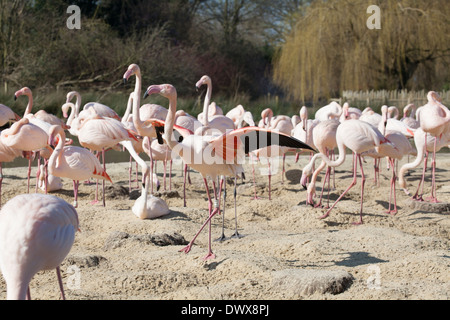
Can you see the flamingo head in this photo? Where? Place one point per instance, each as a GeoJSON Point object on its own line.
{"type": "Point", "coordinates": [133, 69]}
{"type": "Point", "coordinates": [166, 90]}
{"type": "Point", "coordinates": [65, 108]}
{"type": "Point", "coordinates": [203, 80]}
{"type": "Point", "coordinates": [22, 92]}
{"type": "Point", "coordinates": [267, 114]}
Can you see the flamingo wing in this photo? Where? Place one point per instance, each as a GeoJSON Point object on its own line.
{"type": "Point", "coordinates": [251, 139]}
{"type": "Point", "coordinates": [180, 132]}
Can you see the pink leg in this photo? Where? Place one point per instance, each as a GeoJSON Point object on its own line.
{"type": "Point", "coordinates": [75, 193]}
{"type": "Point", "coordinates": [284, 169]}
{"type": "Point", "coordinates": [184, 185]}
{"type": "Point", "coordinates": [433, 197]}
{"type": "Point", "coordinates": [130, 169]}
{"type": "Point", "coordinates": [363, 180]}
{"type": "Point", "coordinates": [254, 179]}
{"type": "Point", "coordinates": [342, 195]}
{"type": "Point", "coordinates": [103, 181]}
{"type": "Point", "coordinates": [210, 254]}
{"type": "Point", "coordinates": [270, 176]}
{"type": "Point", "coordinates": [418, 195]}
{"type": "Point", "coordinates": [170, 175]}
{"type": "Point", "coordinates": [61, 287]}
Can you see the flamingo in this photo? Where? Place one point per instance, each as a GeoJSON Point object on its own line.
{"type": "Point", "coordinates": [324, 138]}
{"type": "Point", "coordinates": [7, 154]}
{"type": "Point", "coordinates": [303, 131]}
{"type": "Point", "coordinates": [99, 108]}
{"type": "Point", "coordinates": [37, 232]}
{"type": "Point", "coordinates": [26, 137]}
{"type": "Point", "coordinates": [144, 128]}
{"type": "Point", "coordinates": [7, 115]}
{"type": "Point", "coordinates": [98, 133]}
{"type": "Point", "coordinates": [53, 183]}
{"type": "Point", "coordinates": [75, 163]}
{"type": "Point", "coordinates": [214, 156]}
{"type": "Point", "coordinates": [332, 110]}
{"type": "Point", "coordinates": [349, 112]}
{"type": "Point", "coordinates": [398, 147]}
{"type": "Point", "coordinates": [436, 122]}
{"type": "Point", "coordinates": [217, 122]}
{"type": "Point", "coordinates": [409, 112]}
{"type": "Point", "coordinates": [424, 144]}
{"type": "Point", "coordinates": [359, 136]}
{"type": "Point", "coordinates": [370, 116]}
{"type": "Point", "coordinates": [36, 119]}
{"type": "Point", "coordinates": [235, 114]}
{"type": "Point", "coordinates": [281, 124]}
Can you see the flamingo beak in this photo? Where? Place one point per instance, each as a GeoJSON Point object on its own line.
{"type": "Point", "coordinates": [152, 90]}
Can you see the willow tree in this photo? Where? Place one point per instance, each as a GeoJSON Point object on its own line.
{"type": "Point", "coordinates": [331, 48]}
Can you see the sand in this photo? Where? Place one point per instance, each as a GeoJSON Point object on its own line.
{"type": "Point", "coordinates": [285, 253]}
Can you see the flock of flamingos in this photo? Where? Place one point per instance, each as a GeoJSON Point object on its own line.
{"type": "Point", "coordinates": [37, 230]}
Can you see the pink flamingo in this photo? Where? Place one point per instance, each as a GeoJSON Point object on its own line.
{"type": "Point", "coordinates": [303, 131]}
{"type": "Point", "coordinates": [424, 144]}
{"type": "Point", "coordinates": [214, 156]}
{"type": "Point", "coordinates": [7, 154]}
{"type": "Point", "coordinates": [398, 147]}
{"type": "Point", "coordinates": [330, 111]}
{"type": "Point", "coordinates": [349, 112]}
{"type": "Point", "coordinates": [409, 113]}
{"type": "Point", "coordinates": [73, 162]}
{"type": "Point", "coordinates": [99, 108]}
{"type": "Point", "coordinates": [370, 116]}
{"type": "Point", "coordinates": [218, 122]}
{"type": "Point", "coordinates": [324, 136]}
{"type": "Point", "coordinates": [27, 137]}
{"type": "Point", "coordinates": [98, 133]}
{"type": "Point", "coordinates": [435, 121]}
{"type": "Point", "coordinates": [358, 136]}
{"type": "Point", "coordinates": [37, 232]}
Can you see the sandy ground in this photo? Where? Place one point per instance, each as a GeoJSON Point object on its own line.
{"type": "Point", "coordinates": [405, 256]}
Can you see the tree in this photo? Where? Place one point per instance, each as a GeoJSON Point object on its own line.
{"type": "Point", "coordinates": [331, 48]}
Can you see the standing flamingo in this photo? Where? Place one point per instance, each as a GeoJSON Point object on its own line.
{"type": "Point", "coordinates": [36, 233]}
{"type": "Point", "coordinates": [424, 144]}
{"type": "Point", "coordinates": [324, 138]}
{"type": "Point", "coordinates": [7, 154]}
{"type": "Point", "coordinates": [73, 162]}
{"type": "Point", "coordinates": [398, 147]}
{"type": "Point", "coordinates": [214, 156]}
{"type": "Point", "coordinates": [218, 122]}
{"type": "Point", "coordinates": [436, 122]}
{"type": "Point", "coordinates": [99, 108]}
{"type": "Point", "coordinates": [358, 136]}
{"type": "Point", "coordinates": [27, 137]}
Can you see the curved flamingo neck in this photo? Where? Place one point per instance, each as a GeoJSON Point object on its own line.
{"type": "Point", "coordinates": [206, 104]}
{"type": "Point", "coordinates": [30, 103]}
{"type": "Point", "coordinates": [137, 101]}
{"type": "Point", "coordinates": [57, 160]}
{"type": "Point", "coordinates": [170, 121]}
{"type": "Point", "coordinates": [128, 110]}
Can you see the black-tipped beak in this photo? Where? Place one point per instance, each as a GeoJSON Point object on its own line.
{"type": "Point", "coordinates": [125, 80]}
{"type": "Point", "coordinates": [146, 94]}
{"type": "Point", "coordinates": [304, 187]}
{"type": "Point", "coordinates": [15, 98]}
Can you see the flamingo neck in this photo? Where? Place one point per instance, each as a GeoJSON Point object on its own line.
{"type": "Point", "coordinates": [206, 105]}
{"type": "Point", "coordinates": [77, 104]}
{"type": "Point", "coordinates": [128, 110]}
{"type": "Point", "coordinates": [170, 121]}
{"type": "Point", "coordinates": [57, 161]}
{"type": "Point", "coordinates": [29, 105]}
{"type": "Point", "coordinates": [137, 101]}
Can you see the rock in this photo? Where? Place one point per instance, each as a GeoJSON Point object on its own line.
{"type": "Point", "coordinates": [440, 207]}
{"type": "Point", "coordinates": [86, 261]}
{"type": "Point", "coordinates": [118, 238]}
{"type": "Point", "coordinates": [116, 192]}
{"type": "Point", "coordinates": [308, 282]}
